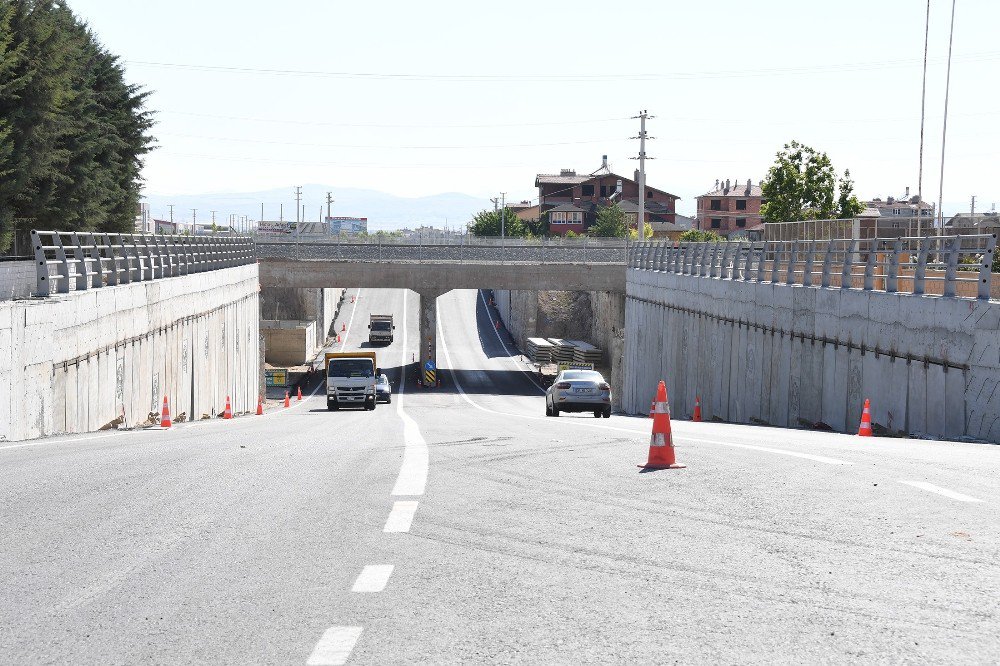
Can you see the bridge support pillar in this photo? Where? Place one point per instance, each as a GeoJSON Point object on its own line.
{"type": "Point", "coordinates": [428, 331]}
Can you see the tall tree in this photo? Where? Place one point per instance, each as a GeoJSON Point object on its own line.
{"type": "Point", "coordinates": [802, 185]}
{"type": "Point", "coordinates": [488, 223]}
{"type": "Point", "coordinates": [72, 131]}
{"type": "Point", "coordinates": [611, 222]}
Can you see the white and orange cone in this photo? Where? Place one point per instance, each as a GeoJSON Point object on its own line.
{"type": "Point", "coordinates": [165, 414]}
{"type": "Point", "coordinates": [300, 394]}
{"type": "Point", "coordinates": [228, 414]}
{"type": "Point", "coordinates": [260, 405]}
{"type": "Point", "coordinates": [697, 409]}
{"type": "Point", "coordinates": [661, 442]}
{"type": "Point", "coordinates": [286, 399]}
{"type": "Point", "coordinates": [865, 430]}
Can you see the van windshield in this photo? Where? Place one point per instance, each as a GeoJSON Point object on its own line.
{"type": "Point", "coordinates": [351, 367]}
{"type": "Point", "coordinates": [381, 326]}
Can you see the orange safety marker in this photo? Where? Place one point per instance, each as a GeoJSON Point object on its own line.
{"type": "Point", "coordinates": [661, 442]}
{"type": "Point", "coordinates": [228, 414]}
{"type": "Point", "coordinates": [286, 398]}
{"type": "Point", "coordinates": [652, 406]}
{"type": "Point", "coordinates": [165, 414]}
{"type": "Point", "coordinates": [343, 327]}
{"type": "Point", "coordinates": [352, 298]}
{"type": "Point", "coordinates": [865, 430]}
{"type": "Point", "coordinates": [260, 405]}
{"type": "Point", "coordinates": [697, 409]}
{"type": "Point", "coordinates": [300, 394]}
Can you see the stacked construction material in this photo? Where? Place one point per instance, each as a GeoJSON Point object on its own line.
{"type": "Point", "coordinates": [584, 352]}
{"type": "Point", "coordinates": [562, 350]}
{"type": "Point", "coordinates": [540, 350]}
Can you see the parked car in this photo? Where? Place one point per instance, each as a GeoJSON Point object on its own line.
{"type": "Point", "coordinates": [579, 391]}
{"type": "Point", "coordinates": [383, 390]}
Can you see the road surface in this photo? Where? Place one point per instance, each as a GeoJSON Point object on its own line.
{"type": "Point", "coordinates": [460, 525]}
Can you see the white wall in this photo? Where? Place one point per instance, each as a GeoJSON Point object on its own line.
{"type": "Point", "coordinates": [17, 279]}
{"type": "Point", "coordinates": [75, 362]}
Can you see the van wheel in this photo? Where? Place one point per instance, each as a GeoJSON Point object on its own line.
{"type": "Point", "coordinates": [332, 405]}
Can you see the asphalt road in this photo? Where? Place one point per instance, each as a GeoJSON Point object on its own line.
{"type": "Point", "coordinates": [461, 525]}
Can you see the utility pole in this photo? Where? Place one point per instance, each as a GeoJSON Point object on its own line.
{"type": "Point", "coordinates": [171, 207]}
{"type": "Point", "coordinates": [944, 127]}
{"type": "Point", "coordinates": [495, 203]}
{"type": "Point", "coordinates": [298, 201]}
{"type": "Point", "coordinates": [503, 213]}
{"type": "Point", "coordinates": [329, 203]}
{"type": "Point", "coordinates": [923, 106]}
{"type": "Point", "coordinates": [194, 218]}
{"type": "Point", "coordinates": [213, 218]}
{"type": "Point", "coordinates": [641, 222]}
{"type": "Point", "coordinates": [281, 212]}
{"type": "Point", "coordinates": [973, 213]}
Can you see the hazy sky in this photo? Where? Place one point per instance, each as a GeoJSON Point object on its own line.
{"type": "Point", "coordinates": [418, 98]}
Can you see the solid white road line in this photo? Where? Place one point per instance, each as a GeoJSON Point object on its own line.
{"type": "Point", "coordinates": [587, 424]}
{"type": "Point", "coordinates": [56, 442]}
{"type": "Point", "coordinates": [401, 517]}
{"type": "Point", "coordinates": [350, 322]}
{"type": "Point", "coordinates": [334, 648]}
{"type": "Point", "coordinates": [509, 355]}
{"type": "Point", "coordinates": [373, 578]}
{"type": "Point", "coordinates": [412, 479]}
{"type": "Point", "coordinates": [930, 487]}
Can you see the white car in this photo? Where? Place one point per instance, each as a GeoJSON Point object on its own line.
{"type": "Point", "coordinates": [383, 390]}
{"type": "Point", "coordinates": [579, 391]}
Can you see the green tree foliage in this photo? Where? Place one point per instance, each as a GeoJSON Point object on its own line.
{"type": "Point", "coordinates": [802, 185]}
{"type": "Point", "coordinates": [487, 223]}
{"type": "Point", "coordinates": [538, 227]}
{"type": "Point", "coordinates": [699, 236]}
{"type": "Point", "coordinates": [611, 223]}
{"type": "Point", "coordinates": [72, 131]}
{"type": "Point", "coordinates": [996, 261]}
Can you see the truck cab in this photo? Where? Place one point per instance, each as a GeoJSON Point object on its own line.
{"type": "Point", "coordinates": [350, 380]}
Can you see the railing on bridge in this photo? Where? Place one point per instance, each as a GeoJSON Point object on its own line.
{"type": "Point", "coordinates": [943, 265]}
{"type": "Point", "coordinates": [67, 260]}
{"type": "Point", "coordinates": [457, 249]}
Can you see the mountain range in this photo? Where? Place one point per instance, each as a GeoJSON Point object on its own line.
{"type": "Point", "coordinates": [383, 210]}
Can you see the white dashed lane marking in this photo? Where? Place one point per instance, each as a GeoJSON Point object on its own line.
{"type": "Point", "coordinates": [335, 647]}
{"type": "Point", "coordinates": [373, 578]}
{"type": "Point", "coordinates": [412, 478]}
{"type": "Point", "coordinates": [931, 488]}
{"type": "Point", "coordinates": [400, 517]}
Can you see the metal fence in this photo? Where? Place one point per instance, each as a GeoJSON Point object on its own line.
{"type": "Point", "coordinates": [943, 265]}
{"type": "Point", "coordinates": [66, 261]}
{"type": "Point", "coordinates": [451, 240]}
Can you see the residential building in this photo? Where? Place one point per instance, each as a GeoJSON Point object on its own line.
{"type": "Point", "coordinates": [964, 223]}
{"type": "Point", "coordinates": [901, 207]}
{"type": "Point", "coordinates": [730, 207]}
{"type": "Point", "coordinates": [585, 194]}
{"type": "Point", "coordinates": [143, 219]}
{"type": "Point", "coordinates": [525, 210]}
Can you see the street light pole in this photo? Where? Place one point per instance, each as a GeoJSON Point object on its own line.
{"type": "Point", "coordinates": [503, 214]}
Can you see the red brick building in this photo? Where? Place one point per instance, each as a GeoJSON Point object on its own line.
{"type": "Point", "coordinates": [730, 208]}
{"type": "Point", "coordinates": [572, 200]}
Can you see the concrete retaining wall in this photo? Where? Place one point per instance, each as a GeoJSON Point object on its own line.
{"type": "Point", "coordinates": [287, 303]}
{"type": "Point", "coordinates": [288, 343]}
{"type": "Point", "coordinates": [77, 362]}
{"type": "Point", "coordinates": [801, 356]}
{"type": "Point", "coordinates": [17, 279]}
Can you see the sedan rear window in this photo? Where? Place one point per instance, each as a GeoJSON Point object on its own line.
{"type": "Point", "coordinates": [587, 375]}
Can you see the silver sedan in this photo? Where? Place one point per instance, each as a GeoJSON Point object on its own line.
{"type": "Point", "coordinates": [579, 391]}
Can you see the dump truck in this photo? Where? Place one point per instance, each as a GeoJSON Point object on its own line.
{"type": "Point", "coordinates": [380, 328]}
{"type": "Point", "coordinates": [351, 379]}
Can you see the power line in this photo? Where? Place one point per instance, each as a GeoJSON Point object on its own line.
{"type": "Point", "coordinates": [349, 145]}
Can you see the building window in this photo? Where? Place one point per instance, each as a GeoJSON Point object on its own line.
{"type": "Point", "coordinates": [604, 190]}
{"type": "Point", "coordinates": [741, 222]}
{"type": "Point", "coordinates": [649, 194]}
{"type": "Point", "coordinates": [588, 190]}
{"type": "Point", "coordinates": [716, 222]}
{"type": "Point", "coordinates": [741, 204]}
{"type": "Point", "coordinates": [716, 204]}
{"type": "Point", "coordinates": [897, 211]}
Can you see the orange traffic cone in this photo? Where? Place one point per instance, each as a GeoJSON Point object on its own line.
{"type": "Point", "coordinates": [286, 398]}
{"type": "Point", "coordinates": [697, 409]}
{"type": "Point", "coordinates": [260, 405]}
{"type": "Point", "coordinates": [228, 414]}
{"type": "Point", "coordinates": [300, 394]}
{"type": "Point", "coordinates": [865, 430]}
{"type": "Point", "coordinates": [338, 337]}
{"type": "Point", "coordinates": [661, 442]}
{"type": "Point", "coordinates": [343, 327]}
{"type": "Point", "coordinates": [352, 298]}
{"type": "Point", "coordinates": [165, 414]}
{"type": "Point", "coordinates": [652, 407]}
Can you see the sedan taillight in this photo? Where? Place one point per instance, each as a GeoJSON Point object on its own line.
{"type": "Point", "coordinates": [604, 386]}
{"type": "Point", "coordinates": [564, 385]}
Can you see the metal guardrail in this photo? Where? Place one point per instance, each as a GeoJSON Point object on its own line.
{"type": "Point", "coordinates": [66, 260]}
{"type": "Point", "coordinates": [895, 265]}
{"type": "Point", "coordinates": [453, 240]}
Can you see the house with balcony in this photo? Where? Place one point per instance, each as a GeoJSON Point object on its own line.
{"type": "Point", "coordinates": [572, 200]}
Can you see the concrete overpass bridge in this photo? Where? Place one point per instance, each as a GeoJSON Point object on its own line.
{"type": "Point", "coordinates": [433, 269]}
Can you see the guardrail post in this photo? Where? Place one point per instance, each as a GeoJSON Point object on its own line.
{"type": "Point", "coordinates": [873, 247]}
{"type": "Point", "coordinates": [82, 283]}
{"type": "Point", "coordinates": [762, 262]}
{"type": "Point", "coordinates": [807, 277]}
{"type": "Point", "coordinates": [793, 259]}
{"type": "Point", "coordinates": [951, 267]}
{"type": "Point", "coordinates": [688, 260]}
{"type": "Point", "coordinates": [712, 267]}
{"type": "Point", "coordinates": [43, 285]}
{"type": "Point", "coordinates": [847, 272]}
{"type": "Point", "coordinates": [109, 245]}
{"type": "Point", "coordinates": [921, 270]}
{"type": "Point", "coordinates": [747, 259]}
{"type": "Point", "coordinates": [984, 268]}
{"type": "Point", "coordinates": [827, 265]}
{"type": "Point", "coordinates": [892, 270]}
{"type": "Point", "coordinates": [725, 271]}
